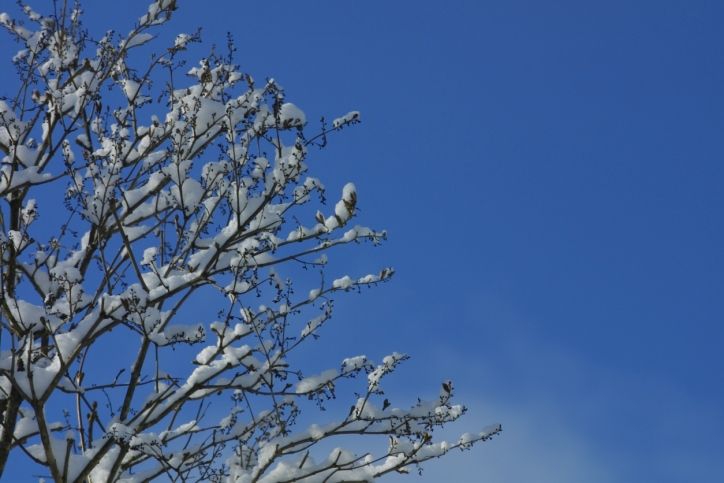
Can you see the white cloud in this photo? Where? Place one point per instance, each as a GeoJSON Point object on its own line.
{"type": "Point", "coordinates": [538, 445]}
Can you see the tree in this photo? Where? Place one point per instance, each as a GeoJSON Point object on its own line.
{"type": "Point", "coordinates": [202, 203]}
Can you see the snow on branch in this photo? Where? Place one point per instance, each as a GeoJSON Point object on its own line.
{"type": "Point", "coordinates": [164, 256]}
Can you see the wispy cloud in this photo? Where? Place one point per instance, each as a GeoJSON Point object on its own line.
{"type": "Point", "coordinates": [538, 445]}
{"type": "Point", "coordinates": [569, 418]}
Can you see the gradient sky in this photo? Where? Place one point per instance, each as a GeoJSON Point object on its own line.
{"type": "Point", "coordinates": [550, 174]}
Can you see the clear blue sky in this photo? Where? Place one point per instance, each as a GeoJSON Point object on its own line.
{"type": "Point", "coordinates": [550, 174]}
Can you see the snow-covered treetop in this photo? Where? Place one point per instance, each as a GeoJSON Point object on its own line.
{"type": "Point", "coordinates": [157, 190]}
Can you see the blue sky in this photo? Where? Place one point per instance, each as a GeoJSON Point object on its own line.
{"type": "Point", "coordinates": [550, 174]}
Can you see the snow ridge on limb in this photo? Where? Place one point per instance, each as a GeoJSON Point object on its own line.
{"type": "Point", "coordinates": [204, 201]}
